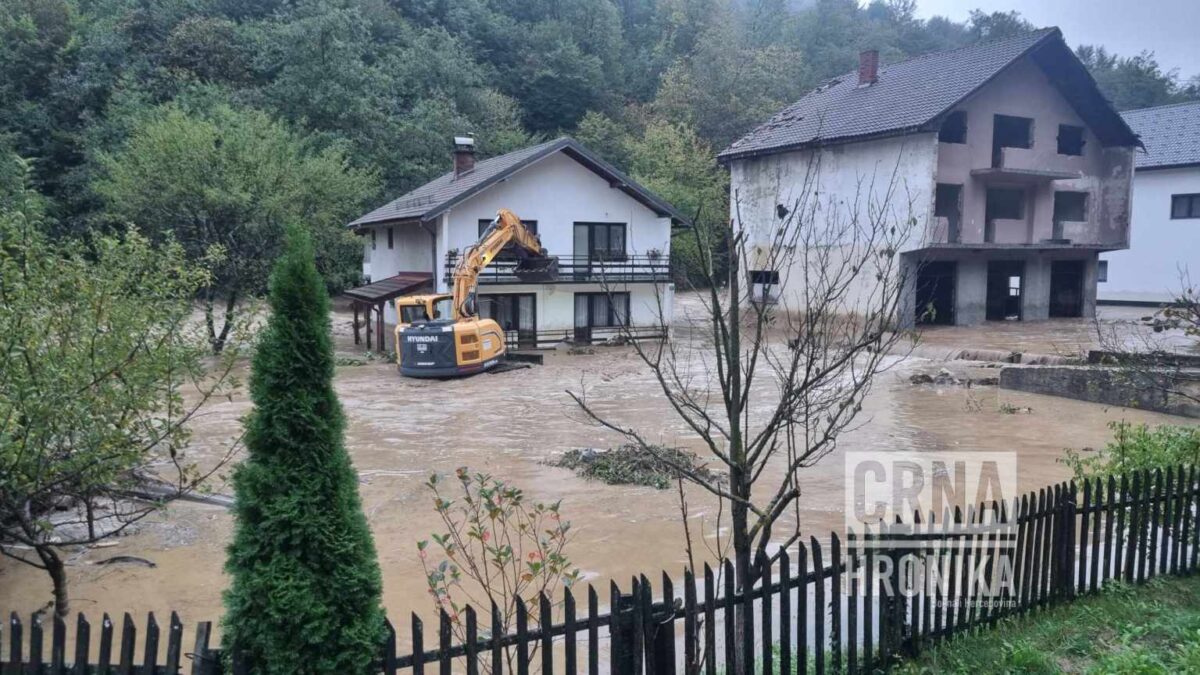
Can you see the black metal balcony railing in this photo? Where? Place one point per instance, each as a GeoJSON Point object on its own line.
{"type": "Point", "coordinates": [643, 268]}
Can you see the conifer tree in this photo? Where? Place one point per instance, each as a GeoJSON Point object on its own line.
{"type": "Point", "coordinates": [305, 582]}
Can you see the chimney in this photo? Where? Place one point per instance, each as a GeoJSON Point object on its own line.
{"type": "Point", "coordinates": [868, 67]}
{"type": "Point", "coordinates": [464, 155]}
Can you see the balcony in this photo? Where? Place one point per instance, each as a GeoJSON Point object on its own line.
{"type": "Point", "coordinates": [1022, 165]}
{"type": "Point", "coordinates": [643, 268]}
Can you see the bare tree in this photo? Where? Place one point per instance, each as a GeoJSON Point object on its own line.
{"type": "Point", "coordinates": [1156, 356]}
{"type": "Point", "coordinates": [781, 380]}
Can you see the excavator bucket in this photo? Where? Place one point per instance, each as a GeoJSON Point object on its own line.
{"type": "Point", "coordinates": [537, 269]}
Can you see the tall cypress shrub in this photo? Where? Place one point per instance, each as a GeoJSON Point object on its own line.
{"type": "Point", "coordinates": [305, 591]}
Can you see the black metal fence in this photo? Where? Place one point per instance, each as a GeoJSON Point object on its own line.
{"type": "Point", "coordinates": [855, 607]}
{"type": "Point", "coordinates": [639, 268]}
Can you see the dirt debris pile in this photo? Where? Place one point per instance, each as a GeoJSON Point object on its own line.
{"type": "Point", "coordinates": [632, 465]}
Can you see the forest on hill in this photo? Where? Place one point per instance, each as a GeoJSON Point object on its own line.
{"type": "Point", "coordinates": [145, 111]}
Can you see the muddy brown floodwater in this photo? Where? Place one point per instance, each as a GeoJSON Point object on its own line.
{"type": "Point", "coordinates": [401, 430]}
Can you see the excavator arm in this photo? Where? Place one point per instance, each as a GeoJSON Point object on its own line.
{"type": "Point", "coordinates": [533, 266]}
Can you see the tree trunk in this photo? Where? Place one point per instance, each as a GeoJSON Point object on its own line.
{"type": "Point", "coordinates": [58, 576]}
{"type": "Point", "coordinates": [218, 341]}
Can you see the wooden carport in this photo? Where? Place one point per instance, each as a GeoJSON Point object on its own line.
{"type": "Point", "coordinates": [371, 299]}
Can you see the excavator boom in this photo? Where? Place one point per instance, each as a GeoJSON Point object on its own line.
{"type": "Point", "coordinates": [464, 343]}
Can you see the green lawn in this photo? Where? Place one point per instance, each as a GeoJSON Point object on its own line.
{"type": "Point", "coordinates": [1153, 628]}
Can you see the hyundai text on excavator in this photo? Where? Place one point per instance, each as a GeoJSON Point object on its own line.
{"type": "Point", "coordinates": [442, 335]}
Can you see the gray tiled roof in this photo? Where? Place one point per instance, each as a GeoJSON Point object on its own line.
{"type": "Point", "coordinates": [1171, 134]}
{"type": "Point", "coordinates": [911, 95]}
{"type": "Point", "coordinates": [439, 194]}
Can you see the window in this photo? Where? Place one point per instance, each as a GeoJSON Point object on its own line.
{"type": "Point", "coordinates": [764, 277]}
{"type": "Point", "coordinates": [391, 237]}
{"type": "Point", "coordinates": [954, 128]}
{"type": "Point", "coordinates": [600, 310]}
{"type": "Point", "coordinates": [1012, 132]}
{"type": "Point", "coordinates": [515, 312]}
{"type": "Point", "coordinates": [373, 232]}
{"type": "Point", "coordinates": [509, 252]}
{"type": "Point", "coordinates": [1070, 206]}
{"type": "Point", "coordinates": [1102, 271]}
{"type": "Point", "coordinates": [600, 241]}
{"type": "Point", "coordinates": [1070, 140]}
{"type": "Point", "coordinates": [1005, 204]}
{"type": "Point", "coordinates": [1185, 206]}
{"type": "Point", "coordinates": [530, 225]}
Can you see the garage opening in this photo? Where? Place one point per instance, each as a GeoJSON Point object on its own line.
{"type": "Point", "coordinates": [1005, 290]}
{"type": "Point", "coordinates": [935, 292]}
{"type": "Point", "coordinates": [1066, 289]}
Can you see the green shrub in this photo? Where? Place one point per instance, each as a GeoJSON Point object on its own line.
{"type": "Point", "coordinates": [305, 592]}
{"type": "Point", "coordinates": [1138, 447]}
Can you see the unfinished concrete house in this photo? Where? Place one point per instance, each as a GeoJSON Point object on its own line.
{"type": "Point", "coordinates": [1015, 168]}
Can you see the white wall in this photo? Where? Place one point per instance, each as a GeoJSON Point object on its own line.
{"type": "Point", "coordinates": [1149, 270]}
{"type": "Point", "coordinates": [891, 178]}
{"type": "Point", "coordinates": [556, 302]}
{"type": "Point", "coordinates": [410, 252]}
{"type": "Point", "coordinates": [557, 192]}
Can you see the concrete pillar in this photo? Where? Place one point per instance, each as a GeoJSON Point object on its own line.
{"type": "Point", "coordinates": [1090, 277]}
{"type": "Point", "coordinates": [970, 293]}
{"type": "Point", "coordinates": [1035, 292]}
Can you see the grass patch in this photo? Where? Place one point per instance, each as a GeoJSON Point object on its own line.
{"type": "Point", "coordinates": [630, 465]}
{"type": "Point", "coordinates": [1153, 628]}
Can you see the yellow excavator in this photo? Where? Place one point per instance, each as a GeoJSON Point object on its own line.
{"type": "Point", "coordinates": [441, 335]}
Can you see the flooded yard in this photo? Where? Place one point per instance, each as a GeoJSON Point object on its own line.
{"type": "Point", "coordinates": [401, 430]}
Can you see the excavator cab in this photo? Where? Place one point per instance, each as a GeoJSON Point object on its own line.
{"type": "Point", "coordinates": [442, 335]}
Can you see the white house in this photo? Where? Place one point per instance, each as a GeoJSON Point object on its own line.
{"type": "Point", "coordinates": [611, 235]}
{"type": "Point", "coordinates": [1011, 163]}
{"type": "Point", "coordinates": [1166, 210]}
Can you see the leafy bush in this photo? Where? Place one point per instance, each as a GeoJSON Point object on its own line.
{"type": "Point", "coordinates": [1138, 447]}
{"type": "Point", "coordinates": [498, 548]}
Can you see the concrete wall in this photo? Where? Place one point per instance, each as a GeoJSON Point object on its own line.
{"type": "Point", "coordinates": [1149, 271]}
{"type": "Point", "coordinates": [1024, 91]}
{"type": "Point", "coordinates": [890, 179]}
{"type": "Point", "coordinates": [1110, 386]}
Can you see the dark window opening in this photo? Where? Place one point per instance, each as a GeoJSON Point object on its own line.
{"type": "Point", "coordinates": [954, 128]}
{"type": "Point", "coordinates": [1010, 132]}
{"type": "Point", "coordinates": [1005, 204]}
{"type": "Point", "coordinates": [1185, 206]}
{"type": "Point", "coordinates": [597, 242]}
{"type": "Point", "coordinates": [1070, 206]}
{"type": "Point", "coordinates": [1102, 271]}
{"type": "Point", "coordinates": [947, 203]}
{"type": "Point", "coordinates": [599, 310]}
{"type": "Point", "coordinates": [764, 277]}
{"type": "Point", "coordinates": [1070, 140]}
{"type": "Point", "coordinates": [373, 232]}
{"type": "Point", "coordinates": [391, 237]}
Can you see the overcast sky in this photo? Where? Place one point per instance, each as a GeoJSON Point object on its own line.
{"type": "Point", "coordinates": [1169, 28]}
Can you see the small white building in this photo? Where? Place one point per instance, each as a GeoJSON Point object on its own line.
{"type": "Point", "coordinates": [1166, 210]}
{"type": "Point", "coordinates": [611, 235]}
{"type": "Point", "coordinates": [1011, 164]}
